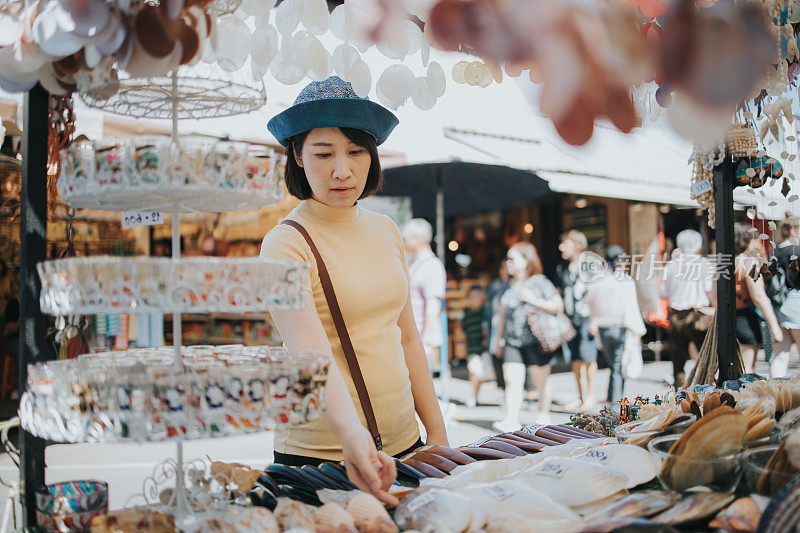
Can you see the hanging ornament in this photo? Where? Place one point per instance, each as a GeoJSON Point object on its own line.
{"type": "Point", "coordinates": [753, 273]}
{"type": "Point", "coordinates": [785, 187]}
{"type": "Point", "coordinates": [794, 267]}
{"type": "Point", "coordinates": [663, 96]}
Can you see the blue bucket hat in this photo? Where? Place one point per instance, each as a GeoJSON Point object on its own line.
{"type": "Point", "coordinates": [332, 103]}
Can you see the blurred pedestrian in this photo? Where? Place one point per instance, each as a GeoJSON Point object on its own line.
{"type": "Point", "coordinates": [688, 286]}
{"type": "Point", "coordinates": [428, 282]}
{"type": "Point", "coordinates": [473, 322]}
{"type": "Point", "coordinates": [530, 290]}
{"type": "Point", "coordinates": [614, 316]}
{"type": "Point", "coordinates": [581, 351]}
{"type": "Point", "coordinates": [784, 291]}
{"type": "Point", "coordinates": [494, 292]}
{"type": "Point", "coordinates": [752, 303]}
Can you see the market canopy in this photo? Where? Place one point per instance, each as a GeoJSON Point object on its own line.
{"type": "Point", "coordinates": [468, 188]}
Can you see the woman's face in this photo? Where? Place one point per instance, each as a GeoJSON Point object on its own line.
{"type": "Point", "coordinates": [516, 264]}
{"type": "Point", "coordinates": [335, 167]}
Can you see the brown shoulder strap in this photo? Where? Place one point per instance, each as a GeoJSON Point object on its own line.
{"type": "Point", "coordinates": [344, 337]}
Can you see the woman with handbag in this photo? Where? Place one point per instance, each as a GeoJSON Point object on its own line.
{"type": "Point", "coordinates": [530, 292]}
{"type": "Point", "coordinates": [358, 309]}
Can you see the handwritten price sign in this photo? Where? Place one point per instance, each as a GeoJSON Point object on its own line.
{"type": "Point", "coordinates": [133, 219]}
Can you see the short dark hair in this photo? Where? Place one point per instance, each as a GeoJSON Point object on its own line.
{"type": "Point", "coordinates": [297, 182]}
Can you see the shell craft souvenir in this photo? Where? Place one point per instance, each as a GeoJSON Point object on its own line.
{"type": "Point", "coordinates": [511, 497]}
{"type": "Point", "coordinates": [437, 509]}
{"type": "Point", "coordinates": [571, 481]}
{"type": "Point", "coordinates": [638, 505]}
{"type": "Point", "coordinates": [696, 507]}
{"type": "Point", "coordinates": [631, 460]}
{"type": "Point", "coordinates": [720, 433]}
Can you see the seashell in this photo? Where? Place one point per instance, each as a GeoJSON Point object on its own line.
{"type": "Point", "coordinates": [790, 418]}
{"type": "Point", "coordinates": [437, 83]}
{"type": "Point", "coordinates": [215, 525]}
{"type": "Point", "coordinates": [571, 481]}
{"type": "Point", "coordinates": [233, 49]}
{"type": "Point", "coordinates": [435, 509]}
{"type": "Point", "coordinates": [694, 507]}
{"type": "Point", "coordinates": [591, 508]}
{"type": "Point", "coordinates": [366, 507]}
{"type": "Point", "coordinates": [638, 505]}
{"type": "Point", "coordinates": [377, 525]}
{"type": "Point", "coordinates": [631, 460]}
{"type": "Point", "coordinates": [759, 430]}
{"type": "Point", "coordinates": [333, 514]}
{"type": "Point", "coordinates": [742, 515]}
{"type": "Point", "coordinates": [719, 433]}
{"type": "Point", "coordinates": [396, 83]}
{"type": "Point", "coordinates": [711, 402]}
{"type": "Point", "coordinates": [286, 18]}
{"type": "Point", "coordinates": [293, 514]}
{"type": "Point", "coordinates": [783, 511]}
{"type": "Point", "coordinates": [511, 497]}
{"type": "Point", "coordinates": [254, 520]}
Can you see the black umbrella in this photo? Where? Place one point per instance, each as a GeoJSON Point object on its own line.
{"type": "Point", "coordinates": [467, 188]}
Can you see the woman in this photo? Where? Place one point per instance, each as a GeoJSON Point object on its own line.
{"type": "Point", "coordinates": [530, 290]}
{"type": "Point", "coordinates": [331, 137]}
{"type": "Point", "coordinates": [581, 351]}
{"type": "Point", "coordinates": [615, 318]}
{"type": "Point", "coordinates": [786, 288]}
{"type": "Point", "coordinates": [750, 296]}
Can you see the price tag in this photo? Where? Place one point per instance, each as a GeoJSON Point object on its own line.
{"type": "Point", "coordinates": [552, 469]}
{"type": "Point", "coordinates": [133, 219]}
{"type": "Point", "coordinates": [597, 456]}
{"type": "Point", "coordinates": [700, 188]}
{"type": "Point", "coordinates": [499, 493]}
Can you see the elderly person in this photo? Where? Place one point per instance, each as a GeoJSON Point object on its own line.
{"type": "Point", "coordinates": [428, 282]}
{"type": "Point", "coordinates": [379, 377]}
{"type": "Point", "coordinates": [688, 286]}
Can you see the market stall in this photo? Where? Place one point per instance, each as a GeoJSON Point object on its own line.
{"type": "Point", "coordinates": [678, 461]}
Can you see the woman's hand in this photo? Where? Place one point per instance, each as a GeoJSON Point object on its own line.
{"type": "Point", "coordinates": [777, 334]}
{"type": "Point", "coordinates": [370, 470]}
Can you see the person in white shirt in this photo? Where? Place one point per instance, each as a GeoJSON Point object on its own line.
{"type": "Point", "coordinates": [688, 286]}
{"type": "Point", "coordinates": [614, 317]}
{"type": "Point", "coordinates": [428, 281]}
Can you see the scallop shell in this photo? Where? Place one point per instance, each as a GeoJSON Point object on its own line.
{"type": "Point", "coordinates": [694, 508]}
{"type": "Point", "coordinates": [508, 496]}
{"type": "Point", "coordinates": [593, 508]}
{"type": "Point", "coordinates": [719, 433]}
{"type": "Point", "coordinates": [437, 509]}
{"type": "Point", "coordinates": [783, 511]}
{"type": "Point", "coordinates": [638, 505]}
{"type": "Point", "coordinates": [376, 525]}
{"type": "Point", "coordinates": [366, 507]}
{"type": "Point", "coordinates": [254, 520]}
{"type": "Point", "coordinates": [333, 514]}
{"type": "Point", "coordinates": [631, 460]}
{"type": "Point", "coordinates": [293, 514]}
{"type": "Point", "coordinates": [571, 481]}
{"type": "Point", "coordinates": [742, 515]}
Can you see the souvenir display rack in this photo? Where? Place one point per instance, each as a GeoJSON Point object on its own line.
{"type": "Point", "coordinates": [82, 402]}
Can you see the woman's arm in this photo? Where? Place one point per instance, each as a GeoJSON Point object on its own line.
{"type": "Point", "coordinates": [762, 302]}
{"type": "Point", "coordinates": [553, 305]}
{"type": "Point", "coordinates": [370, 470]}
{"type": "Point", "coordinates": [425, 401]}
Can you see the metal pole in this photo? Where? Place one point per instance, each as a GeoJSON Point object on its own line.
{"type": "Point", "coordinates": [724, 175]}
{"type": "Point", "coordinates": [33, 249]}
{"type": "Point", "coordinates": [444, 352]}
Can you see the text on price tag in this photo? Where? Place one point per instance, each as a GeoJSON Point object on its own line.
{"type": "Point", "coordinates": [700, 188]}
{"type": "Point", "coordinates": [133, 219]}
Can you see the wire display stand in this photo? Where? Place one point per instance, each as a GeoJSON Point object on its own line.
{"type": "Point", "coordinates": [182, 96]}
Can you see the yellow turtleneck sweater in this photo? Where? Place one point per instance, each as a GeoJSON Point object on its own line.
{"type": "Point", "coordinates": [364, 254]}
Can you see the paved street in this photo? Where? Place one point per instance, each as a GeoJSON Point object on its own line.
{"type": "Point", "coordinates": [126, 466]}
